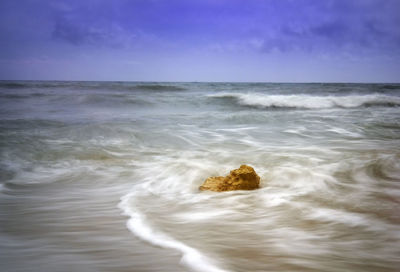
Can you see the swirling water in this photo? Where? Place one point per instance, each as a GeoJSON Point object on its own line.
{"type": "Point", "coordinates": [104, 176]}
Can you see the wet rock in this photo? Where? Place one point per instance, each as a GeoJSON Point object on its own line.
{"type": "Point", "coordinates": [244, 178]}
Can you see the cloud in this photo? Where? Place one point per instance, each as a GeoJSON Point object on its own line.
{"type": "Point", "coordinates": [286, 26]}
{"type": "Point", "coordinates": [77, 34]}
{"type": "Point", "coordinates": [201, 31]}
{"type": "Point", "coordinates": [335, 26]}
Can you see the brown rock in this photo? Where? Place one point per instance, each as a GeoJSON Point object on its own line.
{"type": "Point", "coordinates": [244, 178]}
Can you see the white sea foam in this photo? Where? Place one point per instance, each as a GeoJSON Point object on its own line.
{"type": "Point", "coordinates": [345, 132]}
{"type": "Point", "coordinates": [261, 100]}
{"type": "Point", "coordinates": [351, 219]}
{"type": "Point", "coordinates": [202, 216]}
{"type": "Point", "coordinates": [171, 188]}
{"type": "Point", "coordinates": [191, 257]}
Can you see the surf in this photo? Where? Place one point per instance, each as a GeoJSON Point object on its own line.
{"type": "Point", "coordinates": [266, 101]}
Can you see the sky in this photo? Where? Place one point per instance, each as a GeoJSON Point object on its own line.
{"type": "Point", "coordinates": [201, 40]}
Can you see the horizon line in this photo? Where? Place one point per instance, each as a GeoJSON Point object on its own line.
{"type": "Point", "coordinates": [238, 82]}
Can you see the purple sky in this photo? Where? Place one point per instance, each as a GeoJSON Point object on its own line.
{"type": "Point", "coordinates": [201, 40]}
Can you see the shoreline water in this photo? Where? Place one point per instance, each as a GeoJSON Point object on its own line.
{"type": "Point", "coordinates": [105, 176]}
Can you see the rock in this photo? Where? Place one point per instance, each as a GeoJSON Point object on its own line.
{"type": "Point", "coordinates": [244, 178]}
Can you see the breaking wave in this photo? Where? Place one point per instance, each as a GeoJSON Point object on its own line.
{"type": "Point", "coordinates": [259, 100]}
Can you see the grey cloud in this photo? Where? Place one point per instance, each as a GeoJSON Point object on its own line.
{"type": "Point", "coordinates": [364, 35]}
{"type": "Point", "coordinates": [111, 35]}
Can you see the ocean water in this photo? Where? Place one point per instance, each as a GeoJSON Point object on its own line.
{"type": "Point", "coordinates": [104, 176]}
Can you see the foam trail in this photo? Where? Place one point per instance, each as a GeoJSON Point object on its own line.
{"type": "Point", "coordinates": [191, 257]}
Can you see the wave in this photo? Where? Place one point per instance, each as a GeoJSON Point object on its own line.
{"type": "Point", "coordinates": [12, 85]}
{"type": "Point", "coordinates": [21, 95]}
{"type": "Point", "coordinates": [110, 100]}
{"type": "Point", "coordinates": [158, 87]}
{"type": "Point", "coordinates": [259, 100]}
{"type": "Point", "coordinates": [391, 86]}
{"type": "Point", "coordinates": [167, 210]}
{"type": "Point", "coordinates": [37, 84]}
{"type": "Point", "coordinates": [88, 85]}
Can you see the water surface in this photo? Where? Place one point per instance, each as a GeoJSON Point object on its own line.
{"type": "Point", "coordinates": [104, 176]}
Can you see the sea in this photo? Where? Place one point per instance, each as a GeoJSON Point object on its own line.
{"type": "Point", "coordinates": [104, 176]}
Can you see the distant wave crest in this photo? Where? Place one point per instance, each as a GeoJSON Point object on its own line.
{"type": "Point", "coordinates": [92, 85]}
{"type": "Point", "coordinates": [259, 100]}
{"type": "Point", "coordinates": [158, 87]}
